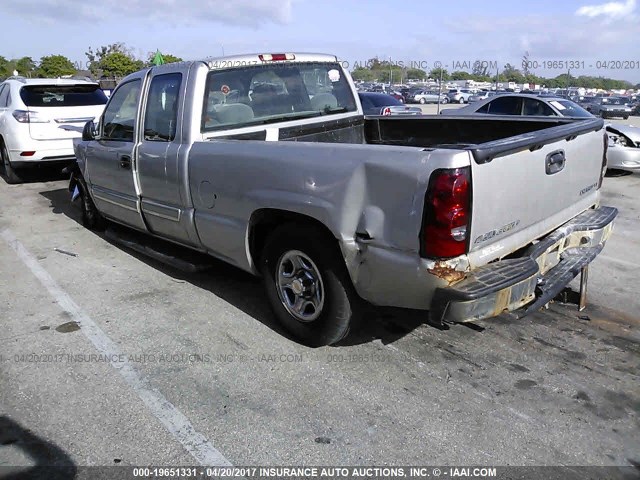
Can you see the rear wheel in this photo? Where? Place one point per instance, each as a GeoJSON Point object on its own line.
{"type": "Point", "coordinates": [625, 117]}
{"type": "Point", "coordinates": [308, 285]}
{"type": "Point", "coordinates": [461, 100]}
{"type": "Point", "coordinates": [10, 174]}
{"type": "Point", "coordinates": [91, 217]}
{"type": "Point", "coordinates": [603, 115]}
{"type": "Point", "coordinates": [445, 100]}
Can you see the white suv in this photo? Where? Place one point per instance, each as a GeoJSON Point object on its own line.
{"type": "Point", "coordinates": [459, 95]}
{"type": "Point", "coordinates": [39, 118]}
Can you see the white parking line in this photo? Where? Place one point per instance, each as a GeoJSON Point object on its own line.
{"type": "Point", "coordinates": [178, 425]}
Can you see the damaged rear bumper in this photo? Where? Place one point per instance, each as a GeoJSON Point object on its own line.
{"type": "Point", "coordinates": [526, 283]}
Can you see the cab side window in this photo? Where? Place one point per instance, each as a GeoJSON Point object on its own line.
{"type": "Point", "coordinates": [120, 115]}
{"type": "Point", "coordinates": [161, 115]}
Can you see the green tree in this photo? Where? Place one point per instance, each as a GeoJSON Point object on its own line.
{"type": "Point", "coordinates": [363, 74]}
{"type": "Point", "coordinates": [55, 66]}
{"type": "Point", "coordinates": [435, 74]}
{"type": "Point", "coordinates": [525, 64]}
{"type": "Point", "coordinates": [480, 69]}
{"type": "Point", "coordinates": [119, 64]}
{"type": "Point", "coordinates": [97, 59]}
{"type": "Point", "coordinates": [512, 74]}
{"type": "Point", "coordinates": [416, 74]}
{"type": "Point", "coordinates": [5, 71]}
{"type": "Point", "coordinates": [25, 66]}
{"type": "Point", "coordinates": [460, 75]}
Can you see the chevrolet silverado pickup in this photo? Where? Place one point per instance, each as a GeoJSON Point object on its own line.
{"type": "Point", "coordinates": [267, 162]}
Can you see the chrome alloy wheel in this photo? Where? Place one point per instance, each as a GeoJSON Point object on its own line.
{"type": "Point", "coordinates": [300, 286]}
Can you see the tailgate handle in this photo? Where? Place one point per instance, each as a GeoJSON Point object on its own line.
{"type": "Point", "coordinates": [125, 162]}
{"type": "Point", "coordinates": [555, 162]}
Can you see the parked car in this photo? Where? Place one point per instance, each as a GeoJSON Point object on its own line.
{"type": "Point", "coordinates": [623, 152]}
{"type": "Point", "coordinates": [39, 118]}
{"type": "Point", "coordinates": [522, 104]}
{"type": "Point", "coordinates": [409, 93]}
{"type": "Point", "coordinates": [395, 94]}
{"type": "Point", "coordinates": [608, 107]}
{"type": "Point", "coordinates": [334, 209]}
{"type": "Point", "coordinates": [476, 97]}
{"type": "Point", "coordinates": [459, 95]}
{"type": "Point", "coordinates": [383, 104]}
{"type": "Point", "coordinates": [426, 96]}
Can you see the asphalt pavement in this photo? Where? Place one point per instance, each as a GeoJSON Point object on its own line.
{"type": "Point", "coordinates": [110, 358]}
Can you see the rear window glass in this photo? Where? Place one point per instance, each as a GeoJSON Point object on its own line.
{"type": "Point", "coordinates": [62, 95]}
{"type": "Point", "coordinates": [383, 100]}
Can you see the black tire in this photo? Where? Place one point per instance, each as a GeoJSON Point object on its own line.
{"type": "Point", "coordinates": [341, 306]}
{"type": "Point", "coordinates": [445, 100]}
{"type": "Point", "coordinates": [91, 217]}
{"type": "Point", "coordinates": [423, 101]}
{"type": "Point", "coordinates": [9, 173]}
{"type": "Point", "coordinates": [603, 115]}
{"type": "Point", "coordinates": [461, 100]}
{"type": "Point", "coordinates": [625, 117]}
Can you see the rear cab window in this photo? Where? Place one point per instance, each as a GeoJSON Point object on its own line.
{"type": "Point", "coordinates": [279, 92]}
{"type": "Point", "coordinates": [62, 95]}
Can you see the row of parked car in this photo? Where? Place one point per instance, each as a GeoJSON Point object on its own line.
{"type": "Point", "coordinates": [624, 141]}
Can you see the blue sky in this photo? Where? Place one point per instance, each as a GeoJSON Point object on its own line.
{"type": "Point", "coordinates": [586, 31]}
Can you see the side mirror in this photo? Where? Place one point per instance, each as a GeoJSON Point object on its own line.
{"type": "Point", "coordinates": [89, 131]}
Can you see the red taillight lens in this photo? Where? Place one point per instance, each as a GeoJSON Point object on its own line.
{"type": "Point", "coordinates": [447, 213]}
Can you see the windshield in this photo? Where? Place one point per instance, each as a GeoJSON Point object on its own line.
{"type": "Point", "coordinates": [272, 93]}
{"type": "Point", "coordinates": [62, 95]}
{"type": "Point", "coordinates": [570, 109]}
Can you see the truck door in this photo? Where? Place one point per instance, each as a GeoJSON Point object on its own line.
{"type": "Point", "coordinates": [161, 168]}
{"type": "Point", "coordinates": [111, 156]}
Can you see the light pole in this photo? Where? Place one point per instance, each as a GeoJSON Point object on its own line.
{"type": "Point", "coordinates": [222, 47]}
{"type": "Point", "coordinates": [439, 91]}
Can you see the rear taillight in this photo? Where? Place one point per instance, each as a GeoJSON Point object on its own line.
{"type": "Point", "coordinates": [603, 170]}
{"type": "Point", "coordinates": [386, 111]}
{"type": "Point", "coordinates": [25, 116]}
{"type": "Point", "coordinates": [447, 213]}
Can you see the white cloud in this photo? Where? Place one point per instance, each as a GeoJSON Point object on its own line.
{"type": "Point", "coordinates": [610, 10]}
{"type": "Point", "coordinates": [228, 12]}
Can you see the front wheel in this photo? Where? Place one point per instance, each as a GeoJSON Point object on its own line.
{"type": "Point", "coordinates": [10, 174]}
{"type": "Point", "coordinates": [445, 100]}
{"type": "Point", "coordinates": [423, 101]}
{"type": "Point", "coordinates": [625, 117]}
{"type": "Point", "coordinates": [308, 285]}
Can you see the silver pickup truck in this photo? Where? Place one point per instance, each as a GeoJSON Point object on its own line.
{"type": "Point", "coordinates": [267, 162]}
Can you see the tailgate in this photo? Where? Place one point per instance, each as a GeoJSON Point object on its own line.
{"type": "Point", "coordinates": [526, 186]}
{"type": "Point", "coordinates": [53, 122]}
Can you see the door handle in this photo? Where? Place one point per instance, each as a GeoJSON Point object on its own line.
{"type": "Point", "coordinates": [555, 162]}
{"type": "Point", "coordinates": [125, 162]}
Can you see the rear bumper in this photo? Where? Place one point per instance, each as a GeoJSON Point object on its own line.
{"type": "Point", "coordinates": [526, 283]}
{"type": "Point", "coordinates": [45, 151]}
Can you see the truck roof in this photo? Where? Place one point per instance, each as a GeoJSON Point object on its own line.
{"type": "Point", "coordinates": [249, 59]}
